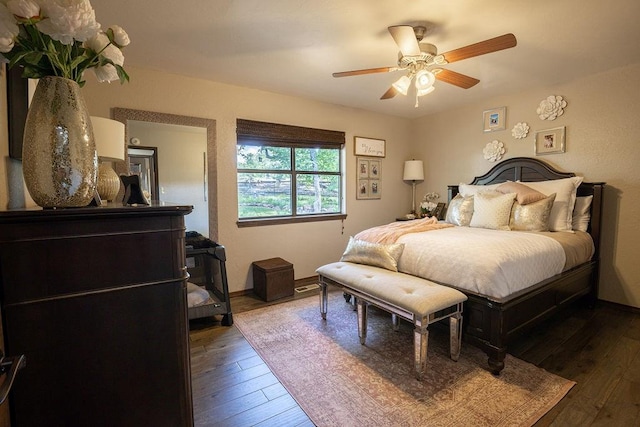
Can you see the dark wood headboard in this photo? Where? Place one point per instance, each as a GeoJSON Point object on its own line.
{"type": "Point", "coordinates": [528, 169]}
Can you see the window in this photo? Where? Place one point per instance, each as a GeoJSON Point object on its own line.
{"type": "Point", "coordinates": [288, 173]}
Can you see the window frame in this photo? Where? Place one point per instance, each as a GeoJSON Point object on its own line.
{"type": "Point", "coordinates": [277, 135]}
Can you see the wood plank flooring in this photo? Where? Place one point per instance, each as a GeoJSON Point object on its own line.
{"type": "Point", "coordinates": [598, 348]}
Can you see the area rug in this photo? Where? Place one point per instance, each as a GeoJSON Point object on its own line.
{"type": "Point", "coordinates": [339, 382]}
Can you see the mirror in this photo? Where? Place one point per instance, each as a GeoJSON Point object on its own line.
{"type": "Point", "coordinates": [175, 158]}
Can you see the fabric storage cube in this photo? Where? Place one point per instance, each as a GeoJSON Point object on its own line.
{"type": "Point", "coordinates": [273, 279]}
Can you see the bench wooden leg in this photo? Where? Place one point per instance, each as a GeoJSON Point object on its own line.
{"type": "Point", "coordinates": [323, 300]}
{"type": "Point", "coordinates": [455, 335]}
{"type": "Point", "coordinates": [362, 320]}
{"type": "Point", "coordinates": [395, 321]}
{"type": "Point", "coordinates": [420, 343]}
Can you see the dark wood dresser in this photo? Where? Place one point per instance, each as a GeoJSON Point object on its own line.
{"type": "Point", "coordinates": [95, 298]}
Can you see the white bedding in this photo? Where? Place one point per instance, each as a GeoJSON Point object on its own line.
{"type": "Point", "coordinates": [491, 263]}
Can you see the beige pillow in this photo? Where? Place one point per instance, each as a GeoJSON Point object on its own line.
{"type": "Point", "coordinates": [524, 193]}
{"type": "Point", "coordinates": [460, 210]}
{"type": "Point", "coordinates": [533, 216]}
{"type": "Point", "coordinates": [562, 211]}
{"type": "Point", "coordinates": [492, 210]}
{"type": "Point", "coordinates": [375, 254]}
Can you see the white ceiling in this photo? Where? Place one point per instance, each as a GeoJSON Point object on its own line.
{"type": "Point", "coordinates": [293, 46]}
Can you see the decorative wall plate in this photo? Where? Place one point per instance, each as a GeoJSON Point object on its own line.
{"type": "Point", "coordinates": [551, 108]}
{"type": "Point", "coordinates": [520, 130]}
{"type": "Point", "coordinates": [494, 150]}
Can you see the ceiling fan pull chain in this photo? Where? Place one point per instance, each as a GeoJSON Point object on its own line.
{"type": "Point", "coordinates": [417, 102]}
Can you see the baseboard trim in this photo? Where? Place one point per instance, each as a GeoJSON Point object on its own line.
{"type": "Point", "coordinates": [297, 283]}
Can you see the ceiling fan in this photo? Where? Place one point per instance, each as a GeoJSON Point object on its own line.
{"type": "Point", "coordinates": [423, 62]}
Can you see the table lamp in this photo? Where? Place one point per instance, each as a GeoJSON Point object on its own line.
{"type": "Point", "coordinates": [414, 172]}
{"type": "Point", "coordinates": [109, 137]}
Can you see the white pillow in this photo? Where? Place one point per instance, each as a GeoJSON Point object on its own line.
{"type": "Point", "coordinates": [562, 211]}
{"type": "Point", "coordinates": [472, 190]}
{"type": "Point", "coordinates": [492, 210]}
{"type": "Point", "coordinates": [581, 213]}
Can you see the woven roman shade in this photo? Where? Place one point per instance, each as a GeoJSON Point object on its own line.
{"type": "Point", "coordinates": [262, 133]}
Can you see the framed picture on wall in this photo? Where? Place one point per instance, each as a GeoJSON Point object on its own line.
{"type": "Point", "coordinates": [369, 179]}
{"type": "Point", "coordinates": [494, 119]}
{"type": "Point", "coordinates": [370, 147]}
{"type": "Point", "coordinates": [550, 141]}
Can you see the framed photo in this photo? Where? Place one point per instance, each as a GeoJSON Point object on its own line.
{"type": "Point", "coordinates": [550, 141]}
{"type": "Point", "coordinates": [363, 169]}
{"type": "Point", "coordinates": [439, 210]}
{"type": "Point", "coordinates": [374, 169]}
{"type": "Point", "coordinates": [369, 179]}
{"type": "Point", "coordinates": [494, 119]}
{"type": "Point", "coordinates": [363, 189]}
{"type": "Point", "coordinates": [370, 147]}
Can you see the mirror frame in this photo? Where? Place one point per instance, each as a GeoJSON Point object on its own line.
{"type": "Point", "coordinates": [125, 114]}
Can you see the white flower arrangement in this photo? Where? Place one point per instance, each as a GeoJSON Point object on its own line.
{"type": "Point", "coordinates": [428, 203]}
{"type": "Point", "coordinates": [551, 108]}
{"type": "Point", "coordinates": [60, 38]}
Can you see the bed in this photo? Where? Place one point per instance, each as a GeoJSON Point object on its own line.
{"type": "Point", "coordinates": [491, 319]}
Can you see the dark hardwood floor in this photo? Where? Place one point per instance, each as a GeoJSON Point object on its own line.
{"type": "Point", "coordinates": [598, 348]}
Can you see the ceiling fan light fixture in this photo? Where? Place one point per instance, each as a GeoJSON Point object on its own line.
{"type": "Point", "coordinates": [402, 84]}
{"type": "Point", "coordinates": [424, 80]}
{"type": "Point", "coordinates": [423, 92]}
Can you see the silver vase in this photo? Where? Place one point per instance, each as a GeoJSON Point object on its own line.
{"type": "Point", "coordinates": [59, 160]}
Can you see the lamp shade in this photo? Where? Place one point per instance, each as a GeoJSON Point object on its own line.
{"type": "Point", "coordinates": [402, 84]}
{"type": "Point", "coordinates": [413, 170]}
{"type": "Point", "coordinates": [109, 137]}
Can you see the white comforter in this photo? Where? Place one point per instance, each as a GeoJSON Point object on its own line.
{"type": "Point", "coordinates": [490, 263]}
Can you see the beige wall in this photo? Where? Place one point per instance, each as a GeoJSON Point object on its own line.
{"type": "Point", "coordinates": [306, 245]}
{"type": "Point", "coordinates": [603, 144]}
{"type": "Point", "coordinates": [603, 135]}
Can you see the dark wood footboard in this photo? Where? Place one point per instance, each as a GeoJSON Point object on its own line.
{"type": "Point", "coordinates": [490, 325]}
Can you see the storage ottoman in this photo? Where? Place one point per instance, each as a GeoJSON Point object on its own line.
{"type": "Point", "coordinates": [273, 278]}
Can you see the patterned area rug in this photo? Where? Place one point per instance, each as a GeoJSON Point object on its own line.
{"type": "Point", "coordinates": [339, 382]}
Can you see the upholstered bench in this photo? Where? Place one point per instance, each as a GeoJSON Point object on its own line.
{"type": "Point", "coordinates": [417, 300]}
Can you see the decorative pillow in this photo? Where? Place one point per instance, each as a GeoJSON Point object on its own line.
{"type": "Point", "coordinates": [460, 210]}
{"type": "Point", "coordinates": [472, 190]}
{"type": "Point", "coordinates": [533, 216]}
{"type": "Point", "coordinates": [524, 193]}
{"type": "Point", "coordinates": [492, 210]}
{"type": "Point", "coordinates": [562, 210]}
{"type": "Point", "coordinates": [581, 213]}
{"type": "Point", "coordinates": [375, 254]}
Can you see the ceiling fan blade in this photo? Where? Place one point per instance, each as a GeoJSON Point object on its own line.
{"type": "Point", "coordinates": [495, 44]}
{"type": "Point", "coordinates": [456, 79]}
{"type": "Point", "coordinates": [389, 93]}
{"type": "Point", "coordinates": [405, 38]}
{"type": "Point", "coordinates": [365, 71]}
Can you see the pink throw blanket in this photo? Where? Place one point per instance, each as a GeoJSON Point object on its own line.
{"type": "Point", "coordinates": [389, 233]}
